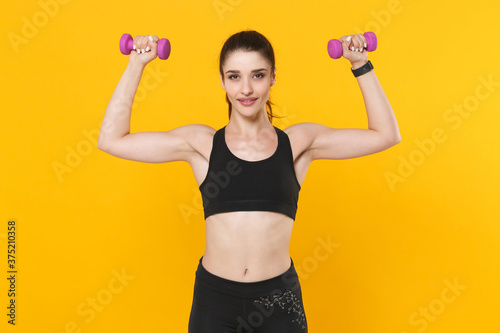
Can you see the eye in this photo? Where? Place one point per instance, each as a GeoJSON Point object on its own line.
{"type": "Point", "coordinates": [261, 75]}
{"type": "Point", "coordinates": [232, 77]}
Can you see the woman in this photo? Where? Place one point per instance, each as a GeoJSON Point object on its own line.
{"type": "Point", "coordinates": [249, 173]}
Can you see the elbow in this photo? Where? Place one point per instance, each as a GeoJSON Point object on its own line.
{"type": "Point", "coordinates": [103, 143]}
{"type": "Point", "coordinates": [394, 140]}
{"type": "Point", "coordinates": [390, 140]}
{"type": "Point", "coordinates": [101, 146]}
{"type": "Point", "coordinates": [397, 138]}
{"type": "Point", "coordinates": [100, 141]}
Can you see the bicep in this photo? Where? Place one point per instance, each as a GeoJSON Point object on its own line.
{"type": "Point", "coordinates": [343, 143]}
{"type": "Point", "coordinates": [177, 144]}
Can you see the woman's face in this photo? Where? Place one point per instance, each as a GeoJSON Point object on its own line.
{"type": "Point", "coordinates": [247, 79]}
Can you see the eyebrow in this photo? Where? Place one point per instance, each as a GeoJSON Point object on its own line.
{"type": "Point", "coordinates": [253, 71]}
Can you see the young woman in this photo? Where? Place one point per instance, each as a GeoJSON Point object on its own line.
{"type": "Point", "coordinates": [249, 173]}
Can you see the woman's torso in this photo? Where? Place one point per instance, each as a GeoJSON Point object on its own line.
{"type": "Point", "coordinates": [248, 246]}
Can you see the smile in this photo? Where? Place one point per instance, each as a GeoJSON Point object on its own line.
{"type": "Point", "coordinates": [247, 101]}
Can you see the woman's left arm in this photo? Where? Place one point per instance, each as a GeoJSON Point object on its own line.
{"type": "Point", "coordinates": [339, 143]}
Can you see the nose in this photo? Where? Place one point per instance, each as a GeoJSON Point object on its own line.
{"type": "Point", "coordinates": [246, 87]}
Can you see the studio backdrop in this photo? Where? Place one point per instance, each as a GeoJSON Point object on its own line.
{"type": "Point", "coordinates": [402, 241]}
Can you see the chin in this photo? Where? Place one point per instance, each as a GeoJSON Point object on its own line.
{"type": "Point", "coordinates": [249, 112]}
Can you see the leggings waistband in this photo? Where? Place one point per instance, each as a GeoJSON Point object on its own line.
{"type": "Point", "coordinates": [274, 285]}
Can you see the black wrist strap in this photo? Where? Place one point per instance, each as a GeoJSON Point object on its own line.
{"type": "Point", "coordinates": [363, 69]}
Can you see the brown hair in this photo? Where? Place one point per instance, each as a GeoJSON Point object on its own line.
{"type": "Point", "coordinates": [248, 40]}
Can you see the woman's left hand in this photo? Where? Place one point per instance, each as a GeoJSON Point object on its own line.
{"type": "Point", "coordinates": [353, 49]}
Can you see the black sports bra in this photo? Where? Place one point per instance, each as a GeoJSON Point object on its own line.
{"type": "Point", "coordinates": [233, 184]}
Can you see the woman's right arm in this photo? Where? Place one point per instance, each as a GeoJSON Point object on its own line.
{"type": "Point", "coordinates": [179, 144]}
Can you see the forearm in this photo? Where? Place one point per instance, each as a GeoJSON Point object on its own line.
{"type": "Point", "coordinates": [381, 117]}
{"type": "Point", "coordinates": [116, 122]}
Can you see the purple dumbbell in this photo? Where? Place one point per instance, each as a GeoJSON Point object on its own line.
{"type": "Point", "coordinates": [335, 46]}
{"type": "Point", "coordinates": [127, 45]}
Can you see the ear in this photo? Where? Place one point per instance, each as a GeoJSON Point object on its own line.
{"type": "Point", "coordinates": [222, 82]}
{"type": "Point", "coordinates": [273, 79]}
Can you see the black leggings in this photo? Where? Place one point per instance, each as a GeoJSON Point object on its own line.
{"type": "Point", "coordinates": [227, 306]}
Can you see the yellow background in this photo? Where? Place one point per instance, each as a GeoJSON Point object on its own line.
{"type": "Point", "coordinates": [406, 223]}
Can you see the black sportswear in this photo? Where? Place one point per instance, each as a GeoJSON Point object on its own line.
{"type": "Point", "coordinates": [269, 306]}
{"type": "Point", "coordinates": [233, 184]}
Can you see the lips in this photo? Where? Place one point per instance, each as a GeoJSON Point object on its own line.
{"type": "Point", "coordinates": [247, 101]}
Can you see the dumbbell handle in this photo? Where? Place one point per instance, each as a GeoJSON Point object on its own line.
{"type": "Point", "coordinates": [127, 45]}
{"type": "Point", "coordinates": [335, 46]}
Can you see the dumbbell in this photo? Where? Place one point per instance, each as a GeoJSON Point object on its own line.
{"type": "Point", "coordinates": [127, 45]}
{"type": "Point", "coordinates": [335, 46]}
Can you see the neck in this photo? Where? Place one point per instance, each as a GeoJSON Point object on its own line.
{"type": "Point", "coordinates": [249, 126]}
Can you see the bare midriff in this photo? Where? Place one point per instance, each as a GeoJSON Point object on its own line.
{"type": "Point", "coordinates": [247, 246]}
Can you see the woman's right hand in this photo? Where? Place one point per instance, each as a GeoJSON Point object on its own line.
{"type": "Point", "coordinates": [145, 50]}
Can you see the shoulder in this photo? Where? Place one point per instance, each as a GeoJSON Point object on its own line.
{"type": "Point", "coordinates": [194, 133]}
{"type": "Point", "coordinates": [197, 138]}
{"type": "Point", "coordinates": [304, 132]}
{"type": "Point", "coordinates": [200, 129]}
{"type": "Point", "coordinates": [302, 136]}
